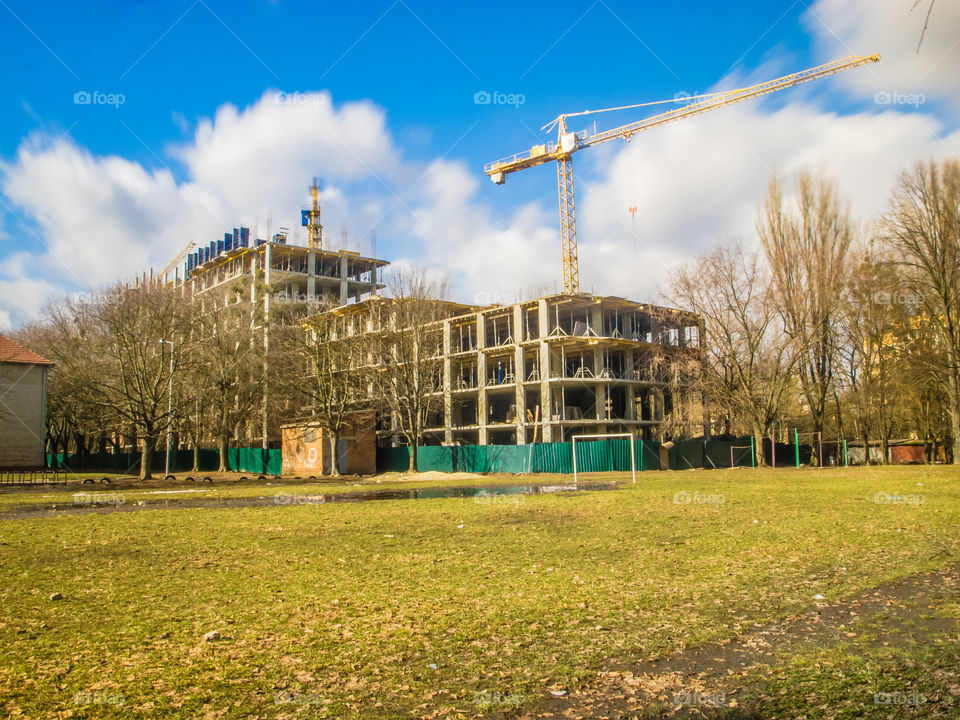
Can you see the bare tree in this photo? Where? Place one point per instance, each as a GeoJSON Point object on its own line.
{"type": "Point", "coordinates": [747, 368]}
{"type": "Point", "coordinates": [226, 369]}
{"type": "Point", "coordinates": [132, 373]}
{"type": "Point", "coordinates": [406, 350]}
{"type": "Point", "coordinates": [923, 229]}
{"type": "Point", "coordinates": [806, 243]}
{"type": "Point", "coordinates": [326, 368]}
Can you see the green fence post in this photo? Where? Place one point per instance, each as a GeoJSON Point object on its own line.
{"type": "Point", "coordinates": [796, 446]}
{"type": "Point", "coordinates": [846, 460]}
{"type": "Point", "coordinates": [753, 454]}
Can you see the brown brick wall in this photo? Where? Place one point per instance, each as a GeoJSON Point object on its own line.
{"type": "Point", "coordinates": [306, 448]}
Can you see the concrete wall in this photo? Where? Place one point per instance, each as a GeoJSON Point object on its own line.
{"type": "Point", "coordinates": [22, 407]}
{"type": "Point", "coordinates": [307, 451]}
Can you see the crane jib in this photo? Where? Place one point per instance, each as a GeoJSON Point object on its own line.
{"type": "Point", "coordinates": [567, 143]}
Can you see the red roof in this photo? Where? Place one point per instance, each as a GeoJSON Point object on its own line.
{"type": "Point", "coordinates": [11, 352]}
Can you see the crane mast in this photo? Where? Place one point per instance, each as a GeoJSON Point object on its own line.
{"type": "Point", "coordinates": [568, 142]}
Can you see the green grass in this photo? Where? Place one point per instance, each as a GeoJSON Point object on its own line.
{"type": "Point", "coordinates": [397, 609]}
{"type": "Point", "coordinates": [884, 671]}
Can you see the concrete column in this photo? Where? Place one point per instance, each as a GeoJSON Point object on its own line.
{"type": "Point", "coordinates": [267, 262]}
{"type": "Point", "coordinates": [521, 398]}
{"type": "Point", "coordinates": [311, 276]}
{"type": "Point", "coordinates": [543, 348]}
{"type": "Point", "coordinates": [482, 396]}
{"type": "Point", "coordinates": [343, 280]}
{"type": "Point", "coordinates": [481, 331]}
{"type": "Point", "coordinates": [600, 387]}
{"type": "Point", "coordinates": [596, 319]}
{"type": "Point", "coordinates": [447, 385]}
{"type": "Point", "coordinates": [631, 410]}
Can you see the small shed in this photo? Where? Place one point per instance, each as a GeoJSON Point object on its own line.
{"type": "Point", "coordinates": [23, 406]}
{"type": "Point", "coordinates": [307, 451]}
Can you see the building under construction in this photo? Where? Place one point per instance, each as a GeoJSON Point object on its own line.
{"type": "Point", "coordinates": [546, 369]}
{"type": "Point", "coordinates": [540, 370]}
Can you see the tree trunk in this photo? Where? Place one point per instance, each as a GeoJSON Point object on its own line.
{"type": "Point", "coordinates": [196, 457]}
{"type": "Point", "coordinates": [334, 443]}
{"type": "Point", "coordinates": [146, 458]}
{"type": "Point", "coordinates": [223, 443]}
{"type": "Point", "coordinates": [413, 457]}
{"type": "Point", "coordinates": [758, 446]}
{"type": "Point", "coordinates": [954, 423]}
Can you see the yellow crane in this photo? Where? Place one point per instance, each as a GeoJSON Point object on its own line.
{"type": "Point", "coordinates": [310, 219]}
{"type": "Point", "coordinates": [568, 143]}
{"type": "Point", "coordinates": [173, 263]}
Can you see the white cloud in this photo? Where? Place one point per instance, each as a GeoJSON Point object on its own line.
{"type": "Point", "coordinates": [106, 218]}
{"type": "Point", "coordinates": [700, 182]}
{"type": "Point", "coordinates": [20, 299]}
{"type": "Point", "coordinates": [892, 29]}
{"type": "Point", "coordinates": [492, 259]}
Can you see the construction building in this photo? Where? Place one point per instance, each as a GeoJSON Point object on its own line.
{"type": "Point", "coordinates": [540, 370]}
{"type": "Point", "coordinates": [546, 369]}
{"type": "Point", "coordinates": [262, 277]}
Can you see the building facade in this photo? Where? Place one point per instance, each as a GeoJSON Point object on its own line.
{"type": "Point", "coordinates": [23, 402]}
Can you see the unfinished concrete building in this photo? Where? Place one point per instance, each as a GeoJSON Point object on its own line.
{"type": "Point", "coordinates": [264, 276]}
{"type": "Point", "coordinates": [550, 368]}
{"type": "Point", "coordinates": [557, 366]}
{"type": "Point", "coordinates": [269, 272]}
{"type": "Point", "coordinates": [536, 371]}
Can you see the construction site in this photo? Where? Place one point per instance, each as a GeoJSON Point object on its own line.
{"type": "Point", "coordinates": [537, 371]}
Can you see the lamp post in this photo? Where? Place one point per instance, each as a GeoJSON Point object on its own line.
{"type": "Point", "coordinates": [169, 408]}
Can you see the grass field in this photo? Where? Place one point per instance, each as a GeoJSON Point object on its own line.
{"type": "Point", "coordinates": [457, 608]}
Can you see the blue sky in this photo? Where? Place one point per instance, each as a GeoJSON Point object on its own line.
{"type": "Point", "coordinates": [379, 100]}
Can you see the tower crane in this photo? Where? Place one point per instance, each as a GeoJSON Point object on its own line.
{"type": "Point", "coordinates": [568, 143]}
{"type": "Point", "coordinates": [310, 219]}
{"type": "Point", "coordinates": [180, 256]}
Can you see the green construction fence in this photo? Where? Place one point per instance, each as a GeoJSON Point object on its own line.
{"type": "Point", "coordinates": [592, 456]}
{"type": "Point", "coordinates": [251, 460]}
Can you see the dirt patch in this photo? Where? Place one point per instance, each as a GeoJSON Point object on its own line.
{"type": "Point", "coordinates": [427, 476]}
{"type": "Point", "coordinates": [717, 674]}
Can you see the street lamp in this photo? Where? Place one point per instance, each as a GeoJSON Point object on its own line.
{"type": "Point", "coordinates": [169, 407]}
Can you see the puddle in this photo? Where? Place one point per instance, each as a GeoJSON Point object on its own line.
{"type": "Point", "coordinates": [170, 492]}
{"type": "Point", "coordinates": [480, 494]}
{"type": "Point", "coordinates": [477, 492]}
